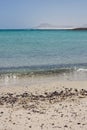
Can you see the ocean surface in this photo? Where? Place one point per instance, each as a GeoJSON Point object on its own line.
{"type": "Point", "coordinates": [43, 52]}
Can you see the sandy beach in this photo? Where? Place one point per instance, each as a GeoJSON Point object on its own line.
{"type": "Point", "coordinates": [60, 105]}
{"type": "Point", "coordinates": [43, 65]}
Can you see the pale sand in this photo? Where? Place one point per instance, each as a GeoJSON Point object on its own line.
{"type": "Point", "coordinates": [66, 114]}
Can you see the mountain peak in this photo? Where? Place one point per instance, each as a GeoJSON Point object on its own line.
{"type": "Point", "coordinates": [45, 26]}
{"type": "Point", "coordinates": [50, 26]}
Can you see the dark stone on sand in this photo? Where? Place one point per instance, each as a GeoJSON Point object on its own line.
{"type": "Point", "coordinates": [46, 93]}
{"type": "Point", "coordinates": [61, 115]}
{"type": "Point", "coordinates": [83, 124]}
{"type": "Point", "coordinates": [1, 103]}
{"type": "Point", "coordinates": [41, 96]}
{"type": "Point", "coordinates": [1, 112]}
{"type": "Point", "coordinates": [55, 93]}
{"type": "Point", "coordinates": [28, 118]}
{"type": "Point", "coordinates": [78, 123]}
{"type": "Point", "coordinates": [10, 94]}
{"type": "Point", "coordinates": [14, 123]}
{"type": "Point", "coordinates": [25, 95]}
{"type": "Point", "coordinates": [65, 126]}
{"type": "Point", "coordinates": [83, 92]}
{"type": "Point", "coordinates": [42, 125]}
{"type": "Point", "coordinates": [35, 111]}
{"type": "Point", "coordinates": [75, 90]}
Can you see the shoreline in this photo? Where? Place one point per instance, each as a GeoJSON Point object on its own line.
{"type": "Point", "coordinates": [42, 86]}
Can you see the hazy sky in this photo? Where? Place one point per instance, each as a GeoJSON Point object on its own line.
{"type": "Point", "coordinates": [28, 13]}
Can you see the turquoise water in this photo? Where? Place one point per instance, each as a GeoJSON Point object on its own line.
{"type": "Point", "coordinates": [37, 51]}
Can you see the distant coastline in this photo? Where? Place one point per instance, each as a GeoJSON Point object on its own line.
{"type": "Point", "coordinates": [80, 28]}
{"type": "Point", "coordinates": [47, 26]}
{"type": "Point", "coordinates": [46, 29]}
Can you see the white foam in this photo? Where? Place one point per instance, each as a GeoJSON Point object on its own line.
{"type": "Point", "coordinates": [81, 69]}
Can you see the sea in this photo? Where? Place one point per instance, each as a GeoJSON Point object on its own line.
{"type": "Point", "coordinates": [32, 53]}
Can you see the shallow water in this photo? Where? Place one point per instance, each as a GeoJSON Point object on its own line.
{"type": "Point", "coordinates": [10, 80]}
{"type": "Point", "coordinates": [47, 52]}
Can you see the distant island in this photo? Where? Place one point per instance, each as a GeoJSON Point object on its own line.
{"type": "Point", "coordinates": [48, 26]}
{"type": "Point", "coordinates": [80, 28]}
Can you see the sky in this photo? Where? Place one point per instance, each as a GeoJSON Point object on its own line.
{"type": "Point", "coordinates": [30, 13]}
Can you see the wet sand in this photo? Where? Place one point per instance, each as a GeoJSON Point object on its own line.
{"type": "Point", "coordinates": [48, 106]}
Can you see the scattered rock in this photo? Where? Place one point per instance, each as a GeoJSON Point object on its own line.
{"type": "Point", "coordinates": [65, 126]}
{"type": "Point", "coordinates": [78, 123]}
{"type": "Point", "coordinates": [1, 112]}
{"type": "Point", "coordinates": [14, 123]}
{"type": "Point", "coordinates": [26, 98]}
